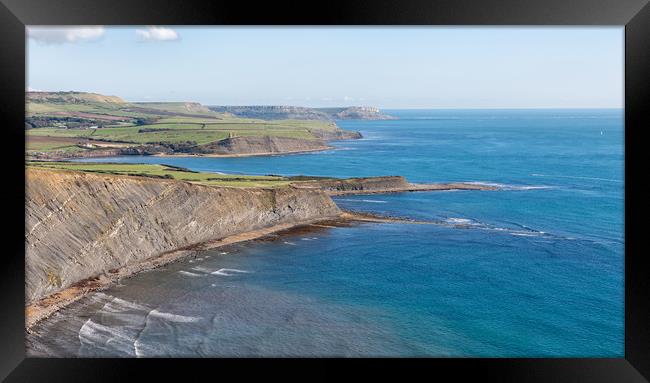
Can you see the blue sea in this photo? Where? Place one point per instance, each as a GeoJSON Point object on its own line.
{"type": "Point", "coordinates": [533, 270]}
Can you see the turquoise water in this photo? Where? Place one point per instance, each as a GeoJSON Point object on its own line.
{"type": "Point", "coordinates": [536, 269]}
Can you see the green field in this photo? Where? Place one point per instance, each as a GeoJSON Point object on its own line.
{"type": "Point", "coordinates": [89, 116]}
{"type": "Point", "coordinates": [175, 133]}
{"type": "Point", "coordinates": [47, 146]}
{"type": "Point", "coordinates": [166, 172]}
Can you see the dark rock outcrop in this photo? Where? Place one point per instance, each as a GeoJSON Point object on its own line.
{"type": "Point", "coordinates": [359, 184]}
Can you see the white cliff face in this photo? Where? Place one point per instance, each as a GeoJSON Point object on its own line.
{"type": "Point", "coordinates": [81, 225]}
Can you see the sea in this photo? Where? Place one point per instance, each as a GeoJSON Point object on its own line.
{"type": "Point", "coordinates": [535, 269]}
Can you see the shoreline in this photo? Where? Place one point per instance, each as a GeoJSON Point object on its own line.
{"type": "Point", "coordinates": [49, 305]}
{"type": "Point", "coordinates": [187, 155]}
{"type": "Point", "coordinates": [260, 154]}
{"type": "Point", "coordinates": [46, 306]}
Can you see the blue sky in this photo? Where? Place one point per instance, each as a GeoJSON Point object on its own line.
{"type": "Point", "coordinates": [389, 67]}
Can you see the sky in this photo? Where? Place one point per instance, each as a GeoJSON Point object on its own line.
{"type": "Point", "coordinates": [387, 67]}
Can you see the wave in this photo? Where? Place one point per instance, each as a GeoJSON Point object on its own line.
{"type": "Point", "coordinates": [576, 177]}
{"type": "Point", "coordinates": [129, 321]}
{"type": "Point", "coordinates": [120, 338]}
{"type": "Point", "coordinates": [228, 272]}
{"type": "Point", "coordinates": [118, 305]}
{"type": "Point", "coordinates": [522, 231]}
{"type": "Point", "coordinates": [95, 334]}
{"type": "Point", "coordinates": [172, 317]}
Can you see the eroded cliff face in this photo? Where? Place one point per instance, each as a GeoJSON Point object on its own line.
{"type": "Point", "coordinates": [81, 225]}
{"type": "Point", "coordinates": [262, 145]}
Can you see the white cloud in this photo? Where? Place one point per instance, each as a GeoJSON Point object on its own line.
{"type": "Point", "coordinates": [157, 34]}
{"type": "Point", "coordinates": [60, 35]}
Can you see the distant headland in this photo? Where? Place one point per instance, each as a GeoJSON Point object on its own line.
{"type": "Point", "coordinates": [62, 125]}
{"type": "Point", "coordinates": [278, 112]}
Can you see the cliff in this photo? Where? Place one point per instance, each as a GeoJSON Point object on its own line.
{"type": "Point", "coordinates": [261, 145]}
{"type": "Point", "coordinates": [81, 225]}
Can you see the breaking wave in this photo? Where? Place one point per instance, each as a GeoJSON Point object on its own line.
{"type": "Point", "coordinates": [228, 272]}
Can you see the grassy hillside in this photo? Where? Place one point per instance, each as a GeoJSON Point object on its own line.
{"type": "Point", "coordinates": [66, 122]}
{"type": "Point", "coordinates": [166, 172]}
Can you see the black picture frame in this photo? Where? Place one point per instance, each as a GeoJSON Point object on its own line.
{"type": "Point", "coordinates": [633, 14]}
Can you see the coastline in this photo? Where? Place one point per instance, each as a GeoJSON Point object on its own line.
{"type": "Point", "coordinates": [259, 154]}
{"type": "Point", "coordinates": [91, 155]}
{"type": "Point", "coordinates": [49, 305]}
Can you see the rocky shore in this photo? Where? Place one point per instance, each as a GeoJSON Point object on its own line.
{"type": "Point", "coordinates": [386, 184]}
{"type": "Point", "coordinates": [86, 231]}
